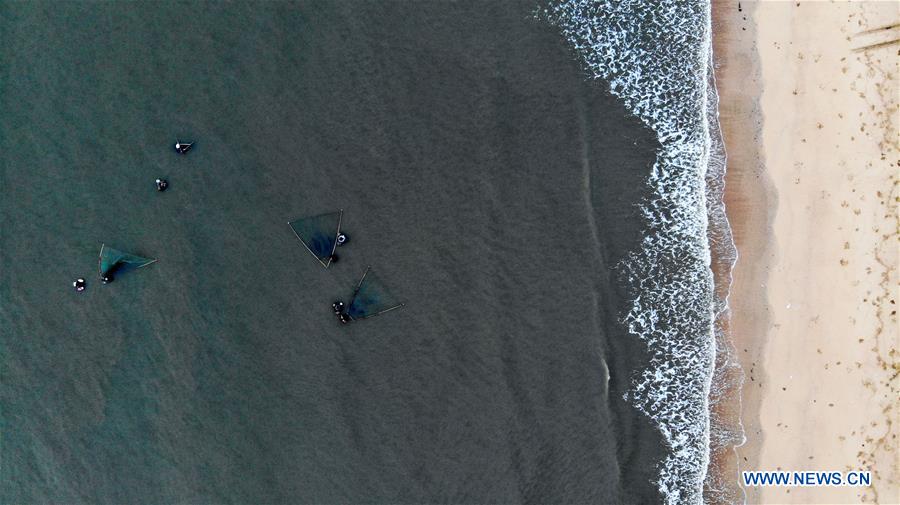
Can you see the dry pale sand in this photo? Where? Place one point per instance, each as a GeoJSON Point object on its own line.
{"type": "Point", "coordinates": [810, 113]}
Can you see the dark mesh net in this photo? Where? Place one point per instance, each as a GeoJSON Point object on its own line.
{"type": "Point", "coordinates": [371, 298]}
{"type": "Point", "coordinates": [319, 234]}
{"type": "Point", "coordinates": [114, 261]}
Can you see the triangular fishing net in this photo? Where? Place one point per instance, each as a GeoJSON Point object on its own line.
{"type": "Point", "coordinates": [319, 234]}
{"type": "Point", "coordinates": [114, 261]}
{"type": "Point", "coordinates": [371, 298]}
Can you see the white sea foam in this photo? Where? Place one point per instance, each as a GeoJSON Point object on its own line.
{"type": "Point", "coordinates": [655, 56]}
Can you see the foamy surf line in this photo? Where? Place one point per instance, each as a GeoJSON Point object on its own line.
{"type": "Point", "coordinates": [655, 57]}
{"type": "Point", "coordinates": [726, 428]}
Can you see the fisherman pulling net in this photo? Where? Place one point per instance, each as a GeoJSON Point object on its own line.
{"type": "Point", "coordinates": [321, 235]}
{"type": "Point", "coordinates": [113, 261]}
{"type": "Point", "coordinates": [370, 299]}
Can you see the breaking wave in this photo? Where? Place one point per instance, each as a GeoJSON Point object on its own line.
{"type": "Point", "coordinates": [656, 57]}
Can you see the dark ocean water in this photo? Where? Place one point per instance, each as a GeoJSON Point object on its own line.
{"type": "Point", "coordinates": [482, 174]}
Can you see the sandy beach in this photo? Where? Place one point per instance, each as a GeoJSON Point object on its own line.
{"type": "Point", "coordinates": [809, 112]}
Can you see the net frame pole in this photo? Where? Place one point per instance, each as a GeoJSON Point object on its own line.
{"type": "Point", "coordinates": [100, 259]}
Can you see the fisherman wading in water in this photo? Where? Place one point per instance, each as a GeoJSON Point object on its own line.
{"type": "Point", "coordinates": [183, 147]}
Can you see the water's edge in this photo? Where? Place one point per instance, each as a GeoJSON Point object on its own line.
{"type": "Point", "coordinates": [726, 430]}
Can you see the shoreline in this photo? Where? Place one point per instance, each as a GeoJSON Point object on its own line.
{"type": "Point", "coordinates": [674, 390]}
{"type": "Point", "coordinates": [807, 114]}
{"type": "Point", "coordinates": [749, 199]}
